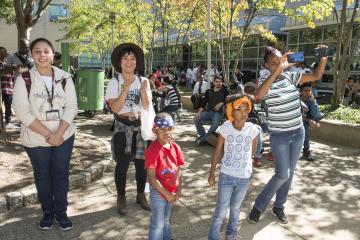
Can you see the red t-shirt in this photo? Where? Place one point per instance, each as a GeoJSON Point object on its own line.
{"type": "Point", "coordinates": [166, 163]}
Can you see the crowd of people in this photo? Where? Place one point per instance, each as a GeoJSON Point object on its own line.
{"type": "Point", "coordinates": [44, 100]}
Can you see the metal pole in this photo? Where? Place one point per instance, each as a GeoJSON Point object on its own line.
{"type": "Point", "coordinates": [209, 44]}
{"type": "Point", "coordinates": [65, 56]}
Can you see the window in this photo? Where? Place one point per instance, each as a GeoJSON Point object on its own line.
{"type": "Point", "coordinates": [252, 41]}
{"type": "Point", "coordinates": [57, 11]}
{"type": "Point", "coordinates": [327, 78]}
{"type": "Point", "coordinates": [311, 35]}
{"type": "Point", "coordinates": [293, 37]}
{"type": "Point", "coordinates": [308, 49]}
{"type": "Point", "coordinates": [250, 52]}
{"type": "Point", "coordinates": [330, 33]}
{"type": "Point", "coordinates": [293, 47]}
{"type": "Point", "coordinates": [250, 64]}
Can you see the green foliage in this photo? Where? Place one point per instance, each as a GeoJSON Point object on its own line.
{"type": "Point", "coordinates": [7, 11]}
{"type": "Point", "coordinates": [311, 11]}
{"type": "Point", "coordinates": [90, 29]}
{"type": "Point", "coordinates": [348, 114]}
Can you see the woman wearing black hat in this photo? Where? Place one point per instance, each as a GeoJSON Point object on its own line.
{"type": "Point", "coordinates": [126, 95]}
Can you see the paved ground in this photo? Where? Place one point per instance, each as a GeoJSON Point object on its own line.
{"type": "Point", "coordinates": [323, 204]}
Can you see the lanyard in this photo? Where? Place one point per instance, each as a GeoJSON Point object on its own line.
{"type": "Point", "coordinates": [51, 97]}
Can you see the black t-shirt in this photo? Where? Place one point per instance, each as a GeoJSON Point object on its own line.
{"type": "Point", "coordinates": [212, 98]}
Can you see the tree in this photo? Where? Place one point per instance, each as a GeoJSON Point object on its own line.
{"type": "Point", "coordinates": [90, 29]}
{"type": "Point", "coordinates": [348, 33]}
{"type": "Point", "coordinates": [144, 19]}
{"type": "Point", "coordinates": [233, 21]}
{"type": "Point", "coordinates": [24, 13]}
{"type": "Point", "coordinates": [177, 20]}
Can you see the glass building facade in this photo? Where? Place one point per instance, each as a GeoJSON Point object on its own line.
{"type": "Point", "coordinates": [250, 60]}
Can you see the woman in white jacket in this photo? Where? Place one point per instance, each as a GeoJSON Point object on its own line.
{"type": "Point", "coordinates": [45, 103]}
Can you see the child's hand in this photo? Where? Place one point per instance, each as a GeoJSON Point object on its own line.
{"type": "Point", "coordinates": [314, 124]}
{"type": "Point", "coordinates": [177, 196]}
{"type": "Point", "coordinates": [170, 197]}
{"type": "Point", "coordinates": [211, 180]}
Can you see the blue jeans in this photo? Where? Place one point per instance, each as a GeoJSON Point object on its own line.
{"type": "Point", "coordinates": [259, 142]}
{"type": "Point", "coordinates": [286, 148]}
{"type": "Point", "coordinates": [159, 228]}
{"type": "Point", "coordinates": [214, 117]}
{"type": "Point", "coordinates": [231, 193]}
{"type": "Point", "coordinates": [307, 137]}
{"type": "Point", "coordinates": [51, 174]}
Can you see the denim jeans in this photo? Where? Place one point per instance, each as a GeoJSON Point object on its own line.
{"type": "Point", "coordinates": [231, 193]}
{"type": "Point", "coordinates": [286, 148]}
{"type": "Point", "coordinates": [159, 228]}
{"type": "Point", "coordinates": [259, 142]}
{"type": "Point", "coordinates": [214, 117]}
{"type": "Point", "coordinates": [307, 137]}
{"type": "Point", "coordinates": [51, 174]}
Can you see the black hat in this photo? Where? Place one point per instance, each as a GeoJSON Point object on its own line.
{"type": "Point", "coordinates": [115, 55]}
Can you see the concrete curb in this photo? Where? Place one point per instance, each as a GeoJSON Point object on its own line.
{"type": "Point", "coordinates": [28, 194]}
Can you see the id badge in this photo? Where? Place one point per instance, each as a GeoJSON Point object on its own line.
{"type": "Point", "coordinates": [52, 115]}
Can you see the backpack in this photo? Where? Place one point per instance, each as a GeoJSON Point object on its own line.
{"type": "Point", "coordinates": [27, 78]}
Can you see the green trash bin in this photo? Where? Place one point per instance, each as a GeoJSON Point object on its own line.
{"type": "Point", "coordinates": [90, 89]}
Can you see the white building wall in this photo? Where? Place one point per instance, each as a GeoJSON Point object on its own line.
{"type": "Point", "coordinates": [44, 28]}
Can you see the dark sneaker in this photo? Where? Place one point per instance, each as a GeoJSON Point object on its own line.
{"type": "Point", "coordinates": [200, 143]}
{"type": "Point", "coordinates": [254, 215]}
{"type": "Point", "coordinates": [46, 222]}
{"type": "Point", "coordinates": [279, 215]}
{"type": "Point", "coordinates": [64, 222]}
{"type": "Point", "coordinates": [307, 156]}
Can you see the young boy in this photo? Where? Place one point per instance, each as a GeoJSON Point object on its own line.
{"type": "Point", "coordinates": [163, 159]}
{"type": "Point", "coordinates": [237, 138]}
{"type": "Point", "coordinates": [311, 117]}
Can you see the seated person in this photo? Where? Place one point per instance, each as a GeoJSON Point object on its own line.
{"type": "Point", "coordinates": [156, 95]}
{"type": "Point", "coordinates": [351, 90]}
{"type": "Point", "coordinates": [172, 97]}
{"type": "Point", "coordinates": [311, 117]}
{"type": "Point", "coordinates": [211, 109]}
{"type": "Point", "coordinates": [198, 92]}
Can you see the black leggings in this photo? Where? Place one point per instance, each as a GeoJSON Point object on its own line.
{"type": "Point", "coordinates": [123, 162]}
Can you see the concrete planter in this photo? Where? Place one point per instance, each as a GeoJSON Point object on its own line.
{"type": "Point", "coordinates": [330, 130]}
{"type": "Point", "coordinates": [338, 132]}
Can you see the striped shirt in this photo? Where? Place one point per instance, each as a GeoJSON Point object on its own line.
{"type": "Point", "coordinates": [283, 102]}
{"type": "Point", "coordinates": [7, 81]}
{"type": "Point", "coordinates": [172, 98]}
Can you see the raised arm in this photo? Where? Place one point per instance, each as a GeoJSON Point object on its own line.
{"type": "Point", "coordinates": [317, 74]}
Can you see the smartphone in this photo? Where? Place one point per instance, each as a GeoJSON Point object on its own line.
{"type": "Point", "coordinates": [296, 57]}
{"type": "Point", "coordinates": [320, 52]}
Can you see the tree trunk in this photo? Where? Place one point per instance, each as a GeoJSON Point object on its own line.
{"type": "Point", "coordinates": [23, 32]}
